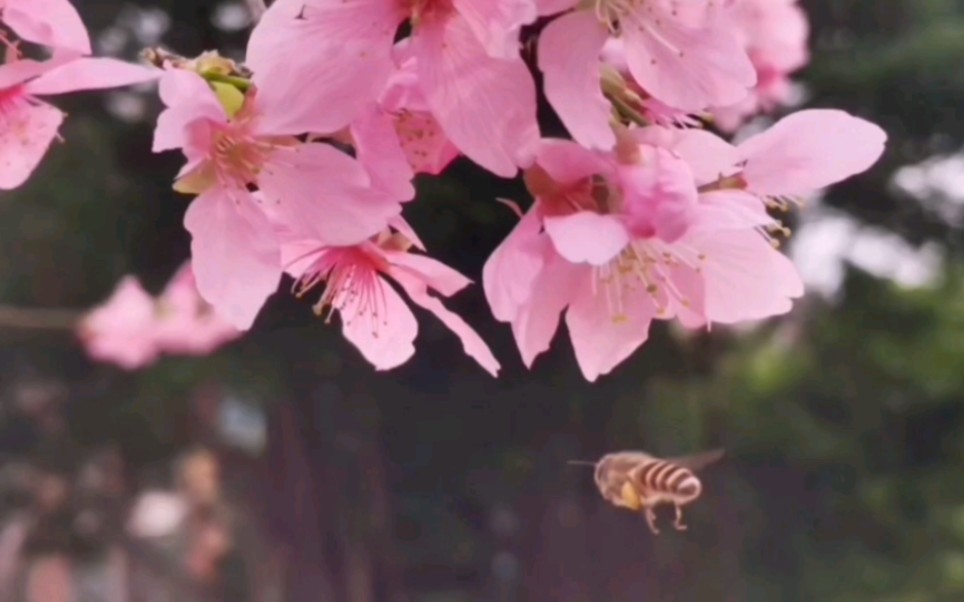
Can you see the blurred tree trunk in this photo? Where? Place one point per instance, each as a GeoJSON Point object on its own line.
{"type": "Point", "coordinates": [327, 499]}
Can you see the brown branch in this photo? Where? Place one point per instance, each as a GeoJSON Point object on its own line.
{"type": "Point", "coordinates": [34, 318]}
{"type": "Point", "coordinates": [257, 8]}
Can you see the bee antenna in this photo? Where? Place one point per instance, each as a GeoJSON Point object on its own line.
{"type": "Point", "coordinates": [580, 463]}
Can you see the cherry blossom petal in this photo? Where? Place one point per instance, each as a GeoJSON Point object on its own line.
{"type": "Point", "coordinates": [235, 255]}
{"type": "Point", "coordinates": [729, 210]}
{"type": "Point", "coordinates": [472, 343]}
{"type": "Point", "coordinates": [601, 340]}
{"type": "Point", "coordinates": [745, 277]}
{"type": "Point", "coordinates": [323, 192]}
{"type": "Point", "coordinates": [26, 132]}
{"type": "Point", "coordinates": [660, 194]}
{"type": "Point", "coordinates": [189, 100]}
{"type": "Point", "coordinates": [22, 70]}
{"type": "Point", "coordinates": [551, 7]}
{"type": "Point", "coordinates": [424, 143]}
{"type": "Point", "coordinates": [587, 237]}
{"type": "Point", "coordinates": [53, 23]}
{"type": "Point", "coordinates": [537, 320]}
{"type": "Point", "coordinates": [385, 340]}
{"type": "Point", "coordinates": [511, 270]}
{"type": "Point", "coordinates": [379, 150]}
{"type": "Point", "coordinates": [688, 304]}
{"type": "Point", "coordinates": [433, 273]}
{"type": "Point", "coordinates": [809, 150]}
{"type": "Point", "coordinates": [486, 106]}
{"type": "Point", "coordinates": [178, 87]}
{"type": "Point", "coordinates": [318, 63]}
{"type": "Point", "coordinates": [401, 226]}
{"type": "Point", "coordinates": [706, 154]}
{"type": "Point", "coordinates": [685, 67]}
{"type": "Point", "coordinates": [91, 74]}
{"type": "Point", "coordinates": [567, 162]}
{"type": "Point", "coordinates": [496, 23]}
{"type": "Point", "coordinates": [569, 58]}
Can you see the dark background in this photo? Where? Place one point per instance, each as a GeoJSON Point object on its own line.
{"type": "Point", "coordinates": [843, 422]}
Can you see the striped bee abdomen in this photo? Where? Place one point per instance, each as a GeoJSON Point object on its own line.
{"type": "Point", "coordinates": [666, 477]}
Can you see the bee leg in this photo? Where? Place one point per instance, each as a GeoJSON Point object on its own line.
{"type": "Point", "coordinates": [679, 519]}
{"type": "Point", "coordinates": [651, 519]}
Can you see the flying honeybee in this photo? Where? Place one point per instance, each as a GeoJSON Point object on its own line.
{"type": "Point", "coordinates": [639, 482]}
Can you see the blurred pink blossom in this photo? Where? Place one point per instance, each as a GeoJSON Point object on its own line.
{"type": "Point", "coordinates": [122, 330]}
{"type": "Point", "coordinates": [132, 329]}
{"type": "Point", "coordinates": [774, 33]}
{"type": "Point", "coordinates": [186, 323]}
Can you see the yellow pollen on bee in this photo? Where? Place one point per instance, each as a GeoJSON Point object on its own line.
{"type": "Point", "coordinates": [630, 496]}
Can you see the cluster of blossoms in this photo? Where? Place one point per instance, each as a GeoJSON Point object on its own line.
{"type": "Point", "coordinates": [132, 328]}
{"type": "Point", "coordinates": [302, 160]}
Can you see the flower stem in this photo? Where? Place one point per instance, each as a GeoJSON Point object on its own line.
{"type": "Point", "coordinates": [34, 318]}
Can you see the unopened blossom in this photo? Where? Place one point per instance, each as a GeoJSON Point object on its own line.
{"type": "Point", "coordinates": [681, 53]}
{"type": "Point", "coordinates": [28, 124]}
{"type": "Point", "coordinates": [775, 33]}
{"type": "Point", "coordinates": [186, 324]}
{"type": "Point", "coordinates": [121, 330]}
{"type": "Point", "coordinates": [340, 55]}
{"type": "Point", "coordinates": [314, 188]}
{"type": "Point", "coordinates": [618, 241]}
{"type": "Point", "coordinates": [362, 282]}
{"type": "Point", "coordinates": [53, 23]}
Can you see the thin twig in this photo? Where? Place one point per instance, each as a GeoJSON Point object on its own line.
{"type": "Point", "coordinates": [257, 8]}
{"type": "Point", "coordinates": [38, 318]}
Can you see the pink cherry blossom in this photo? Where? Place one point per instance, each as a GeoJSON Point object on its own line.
{"type": "Point", "coordinates": [53, 23]}
{"type": "Point", "coordinates": [774, 33]}
{"type": "Point", "coordinates": [681, 53]}
{"type": "Point", "coordinates": [121, 331]}
{"type": "Point", "coordinates": [28, 125]}
{"type": "Point", "coordinates": [616, 252]}
{"type": "Point", "coordinates": [466, 53]}
{"type": "Point", "coordinates": [314, 188]}
{"type": "Point", "coordinates": [358, 284]}
{"type": "Point", "coordinates": [186, 324]}
{"type": "Point", "coordinates": [398, 137]}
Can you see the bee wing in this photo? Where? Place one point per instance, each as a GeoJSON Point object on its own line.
{"type": "Point", "coordinates": [697, 462]}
